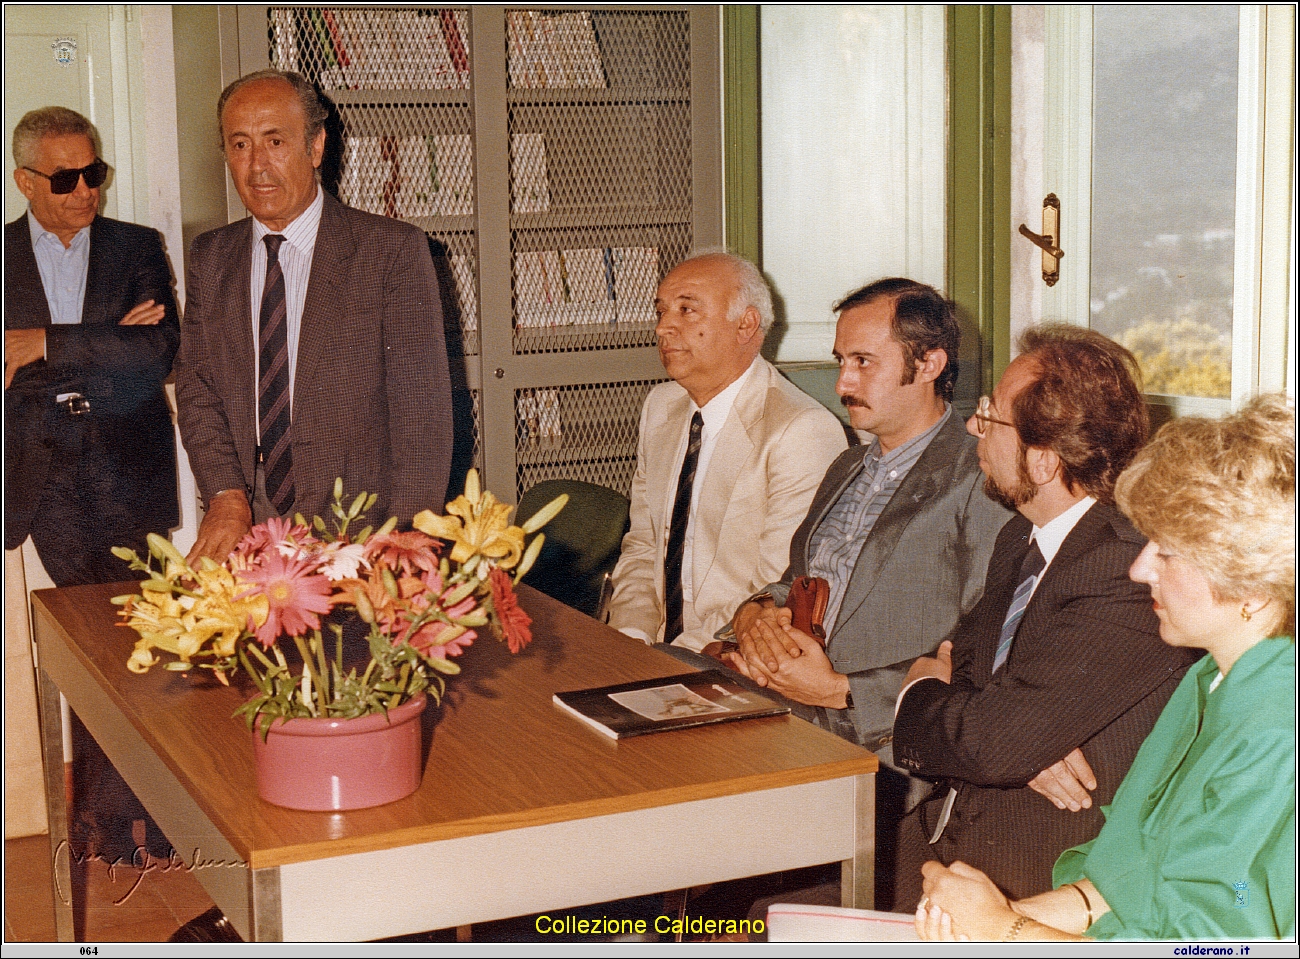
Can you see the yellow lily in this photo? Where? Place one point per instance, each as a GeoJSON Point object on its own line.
{"type": "Point", "coordinates": [476, 524]}
{"type": "Point", "coordinates": [163, 621]}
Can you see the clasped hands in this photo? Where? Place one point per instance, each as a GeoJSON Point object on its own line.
{"type": "Point", "coordinates": [960, 904]}
{"type": "Point", "coordinates": [28, 346]}
{"type": "Point", "coordinates": [779, 657]}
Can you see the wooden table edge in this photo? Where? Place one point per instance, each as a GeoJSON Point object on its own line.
{"type": "Point", "coordinates": [608, 806]}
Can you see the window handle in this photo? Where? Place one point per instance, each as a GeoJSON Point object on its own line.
{"type": "Point", "coordinates": [1049, 239]}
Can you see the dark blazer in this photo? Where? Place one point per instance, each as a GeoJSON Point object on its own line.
{"type": "Point", "coordinates": [372, 398]}
{"type": "Point", "coordinates": [922, 567]}
{"type": "Point", "coordinates": [120, 369]}
{"type": "Point", "coordinates": [1086, 669]}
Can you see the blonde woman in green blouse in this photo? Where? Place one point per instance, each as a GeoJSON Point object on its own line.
{"type": "Point", "coordinates": [1200, 839]}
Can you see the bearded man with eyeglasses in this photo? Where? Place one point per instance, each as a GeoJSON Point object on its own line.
{"type": "Point", "coordinates": [1029, 717]}
{"type": "Point", "coordinates": [91, 329]}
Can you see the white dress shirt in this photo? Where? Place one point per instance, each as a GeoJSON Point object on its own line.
{"type": "Point", "coordinates": [296, 254]}
{"type": "Point", "coordinates": [63, 270]}
{"type": "Point", "coordinates": [1050, 537]}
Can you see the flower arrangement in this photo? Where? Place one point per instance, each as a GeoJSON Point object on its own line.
{"type": "Point", "coordinates": [421, 604]}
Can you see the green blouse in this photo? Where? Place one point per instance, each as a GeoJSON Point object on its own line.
{"type": "Point", "coordinates": [1199, 842]}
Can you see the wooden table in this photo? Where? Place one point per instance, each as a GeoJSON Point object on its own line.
{"type": "Point", "coordinates": [522, 809]}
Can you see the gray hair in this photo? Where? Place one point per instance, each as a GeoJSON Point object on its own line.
{"type": "Point", "coordinates": [313, 111]}
{"type": "Point", "coordinates": [752, 286]}
{"type": "Point", "coordinates": [36, 125]}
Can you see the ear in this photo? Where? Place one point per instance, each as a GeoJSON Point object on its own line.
{"type": "Point", "coordinates": [1255, 604]}
{"type": "Point", "coordinates": [23, 180]}
{"type": "Point", "coordinates": [749, 326]}
{"type": "Point", "coordinates": [928, 369]}
{"type": "Point", "coordinates": [318, 148]}
{"type": "Point", "coordinates": [1043, 465]}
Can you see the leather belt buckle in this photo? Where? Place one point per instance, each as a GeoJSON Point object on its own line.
{"type": "Point", "coordinates": [73, 403]}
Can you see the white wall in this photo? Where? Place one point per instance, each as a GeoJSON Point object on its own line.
{"type": "Point", "coordinates": [854, 142]}
{"type": "Point", "coordinates": [94, 81]}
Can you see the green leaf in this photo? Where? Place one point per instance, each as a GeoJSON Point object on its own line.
{"type": "Point", "coordinates": [162, 547]}
{"type": "Point", "coordinates": [546, 513]}
{"type": "Point", "coordinates": [444, 666]}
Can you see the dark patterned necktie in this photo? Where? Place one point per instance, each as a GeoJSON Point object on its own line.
{"type": "Point", "coordinates": [1029, 570]}
{"type": "Point", "coordinates": [677, 533]}
{"type": "Point", "coordinates": [273, 384]}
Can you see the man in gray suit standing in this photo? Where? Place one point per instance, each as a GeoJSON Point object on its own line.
{"type": "Point", "coordinates": [900, 528]}
{"type": "Point", "coordinates": [312, 343]}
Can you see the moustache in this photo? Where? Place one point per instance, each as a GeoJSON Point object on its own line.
{"type": "Point", "coordinates": [852, 401]}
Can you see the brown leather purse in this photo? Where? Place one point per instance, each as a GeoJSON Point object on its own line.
{"type": "Point", "coordinates": [807, 601]}
{"type": "Point", "coordinates": [809, 596]}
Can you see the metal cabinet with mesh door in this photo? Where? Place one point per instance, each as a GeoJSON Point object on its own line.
{"type": "Point", "coordinates": [561, 160]}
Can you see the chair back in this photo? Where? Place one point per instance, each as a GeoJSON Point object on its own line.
{"type": "Point", "coordinates": [582, 542]}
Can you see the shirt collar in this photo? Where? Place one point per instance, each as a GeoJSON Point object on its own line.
{"type": "Point", "coordinates": [301, 233]}
{"type": "Point", "coordinates": [1050, 536]}
{"type": "Point", "coordinates": [923, 440]}
{"type": "Point", "coordinates": [716, 410]}
{"type": "Point", "coordinates": [39, 233]}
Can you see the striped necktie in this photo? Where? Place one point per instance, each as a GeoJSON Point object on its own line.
{"type": "Point", "coordinates": [1029, 570]}
{"type": "Point", "coordinates": [274, 453]}
{"type": "Point", "coordinates": [677, 533]}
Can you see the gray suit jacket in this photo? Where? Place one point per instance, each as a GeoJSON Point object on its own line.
{"type": "Point", "coordinates": [372, 398]}
{"type": "Point", "coordinates": [921, 568]}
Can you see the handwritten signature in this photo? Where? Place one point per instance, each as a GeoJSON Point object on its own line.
{"type": "Point", "coordinates": [141, 861]}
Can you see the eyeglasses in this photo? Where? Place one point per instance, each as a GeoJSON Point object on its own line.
{"type": "Point", "coordinates": [982, 418]}
{"type": "Point", "coordinates": [65, 181]}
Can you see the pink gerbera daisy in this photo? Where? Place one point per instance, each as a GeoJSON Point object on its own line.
{"type": "Point", "coordinates": [275, 533]}
{"type": "Point", "coordinates": [426, 637]}
{"type": "Point", "coordinates": [294, 592]}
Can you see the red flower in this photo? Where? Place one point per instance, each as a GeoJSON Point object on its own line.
{"type": "Point", "coordinates": [408, 552]}
{"type": "Point", "coordinates": [515, 623]}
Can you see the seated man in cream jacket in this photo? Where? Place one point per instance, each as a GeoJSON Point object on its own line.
{"type": "Point", "coordinates": [728, 459]}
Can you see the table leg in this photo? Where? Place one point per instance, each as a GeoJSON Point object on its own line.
{"type": "Point", "coordinates": [267, 917]}
{"type": "Point", "coordinates": [858, 875]}
{"type": "Point", "coordinates": [56, 804]}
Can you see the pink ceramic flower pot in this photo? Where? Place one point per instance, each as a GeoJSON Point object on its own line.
{"type": "Point", "coordinates": [334, 764]}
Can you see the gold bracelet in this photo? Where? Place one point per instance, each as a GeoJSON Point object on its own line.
{"type": "Point", "coordinates": [1086, 903]}
{"type": "Point", "coordinates": [1015, 929]}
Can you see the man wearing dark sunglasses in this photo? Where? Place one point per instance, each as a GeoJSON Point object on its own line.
{"type": "Point", "coordinates": [91, 329]}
